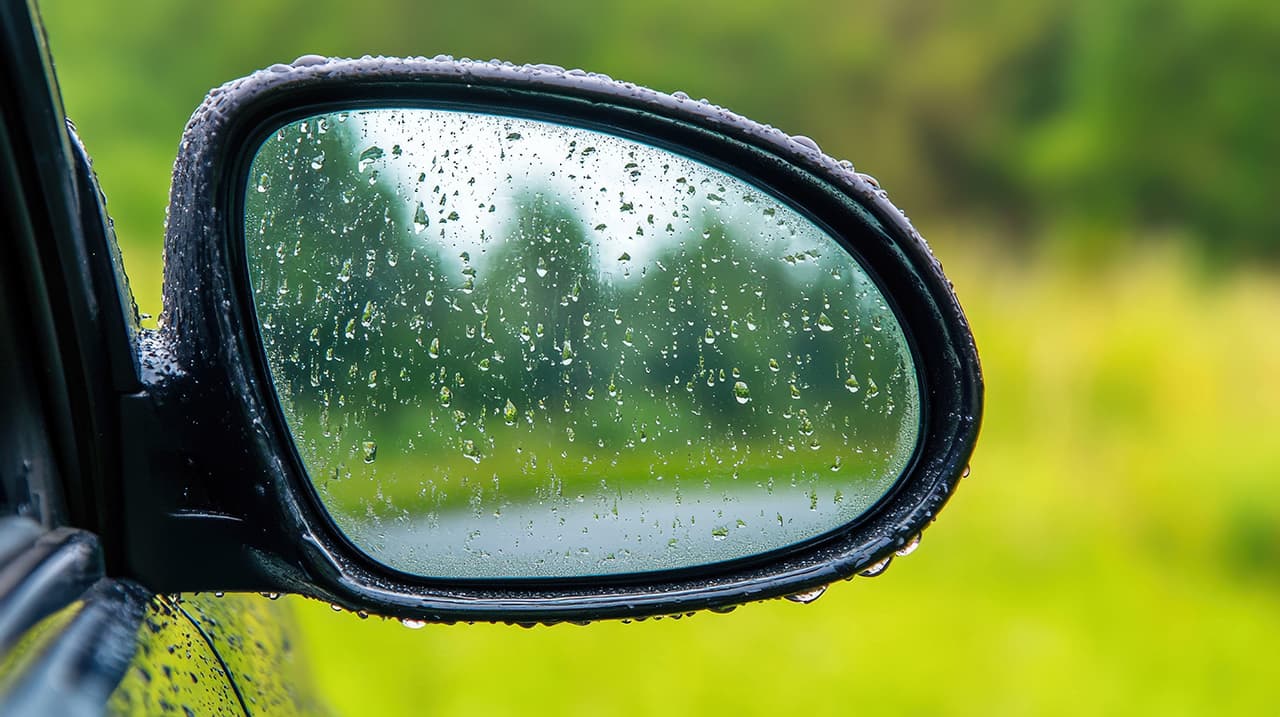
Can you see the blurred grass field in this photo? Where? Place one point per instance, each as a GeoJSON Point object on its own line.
{"type": "Point", "coordinates": [1117, 547]}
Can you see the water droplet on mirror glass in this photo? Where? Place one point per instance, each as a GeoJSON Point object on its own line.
{"type": "Point", "coordinates": [470, 451]}
{"type": "Point", "coordinates": [420, 219]}
{"type": "Point", "coordinates": [741, 393]}
{"type": "Point", "coordinates": [368, 157]}
{"type": "Point", "coordinates": [369, 449]}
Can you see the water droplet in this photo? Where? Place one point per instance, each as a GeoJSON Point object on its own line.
{"type": "Point", "coordinates": [851, 383]}
{"type": "Point", "coordinates": [824, 323]}
{"type": "Point", "coordinates": [624, 257]}
{"type": "Point", "coordinates": [566, 353]}
{"type": "Point", "coordinates": [368, 157]}
{"type": "Point", "coordinates": [795, 392]}
{"type": "Point", "coordinates": [910, 547]}
{"type": "Point", "coordinates": [509, 413]}
{"type": "Point", "coordinates": [370, 451]}
{"type": "Point", "coordinates": [877, 568]}
{"type": "Point", "coordinates": [709, 337]}
{"type": "Point", "coordinates": [264, 182]}
{"type": "Point", "coordinates": [805, 142]}
{"type": "Point", "coordinates": [806, 427]}
{"type": "Point", "coordinates": [344, 275]}
{"type": "Point", "coordinates": [413, 624]}
{"type": "Point", "coordinates": [773, 365]}
{"type": "Point", "coordinates": [542, 267]}
{"type": "Point", "coordinates": [446, 396]}
{"type": "Point", "coordinates": [420, 220]}
{"type": "Point", "coordinates": [433, 350]}
{"type": "Point", "coordinates": [469, 450]}
{"type": "Point", "coordinates": [965, 473]}
{"type": "Point", "coordinates": [808, 596]}
{"type": "Point", "coordinates": [741, 393]}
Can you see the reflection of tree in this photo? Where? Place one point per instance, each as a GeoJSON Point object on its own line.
{"type": "Point", "coordinates": [339, 284]}
{"type": "Point", "coordinates": [542, 292]}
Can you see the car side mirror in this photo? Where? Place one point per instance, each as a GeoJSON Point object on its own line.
{"type": "Point", "coordinates": [471, 341]}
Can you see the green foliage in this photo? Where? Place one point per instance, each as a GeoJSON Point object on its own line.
{"type": "Point", "coordinates": [1090, 118]}
{"type": "Point", "coordinates": [1115, 550]}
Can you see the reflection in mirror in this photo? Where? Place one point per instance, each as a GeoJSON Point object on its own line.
{"type": "Point", "coordinates": [512, 348]}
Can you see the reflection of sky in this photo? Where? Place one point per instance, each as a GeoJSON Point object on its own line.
{"type": "Point", "coordinates": [486, 166]}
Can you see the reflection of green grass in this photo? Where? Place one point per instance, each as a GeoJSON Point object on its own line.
{"type": "Point", "coordinates": [444, 479]}
{"type": "Point", "coordinates": [1116, 550]}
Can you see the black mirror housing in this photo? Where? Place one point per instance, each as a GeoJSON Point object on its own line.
{"type": "Point", "coordinates": [216, 497]}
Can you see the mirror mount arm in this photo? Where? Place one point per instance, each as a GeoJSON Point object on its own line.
{"type": "Point", "coordinates": [192, 511]}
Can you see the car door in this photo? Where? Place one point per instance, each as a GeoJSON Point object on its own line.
{"type": "Point", "coordinates": [74, 640]}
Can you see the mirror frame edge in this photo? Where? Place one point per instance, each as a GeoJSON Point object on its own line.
{"type": "Point", "coordinates": [207, 346]}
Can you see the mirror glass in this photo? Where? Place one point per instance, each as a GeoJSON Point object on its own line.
{"type": "Point", "coordinates": [510, 348]}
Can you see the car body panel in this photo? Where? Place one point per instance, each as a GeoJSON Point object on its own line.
{"type": "Point", "coordinates": [73, 641]}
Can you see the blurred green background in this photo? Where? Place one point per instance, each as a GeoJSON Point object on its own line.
{"type": "Point", "coordinates": [1100, 179]}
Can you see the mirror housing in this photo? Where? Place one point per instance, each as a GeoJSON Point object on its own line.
{"type": "Point", "coordinates": [215, 494]}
